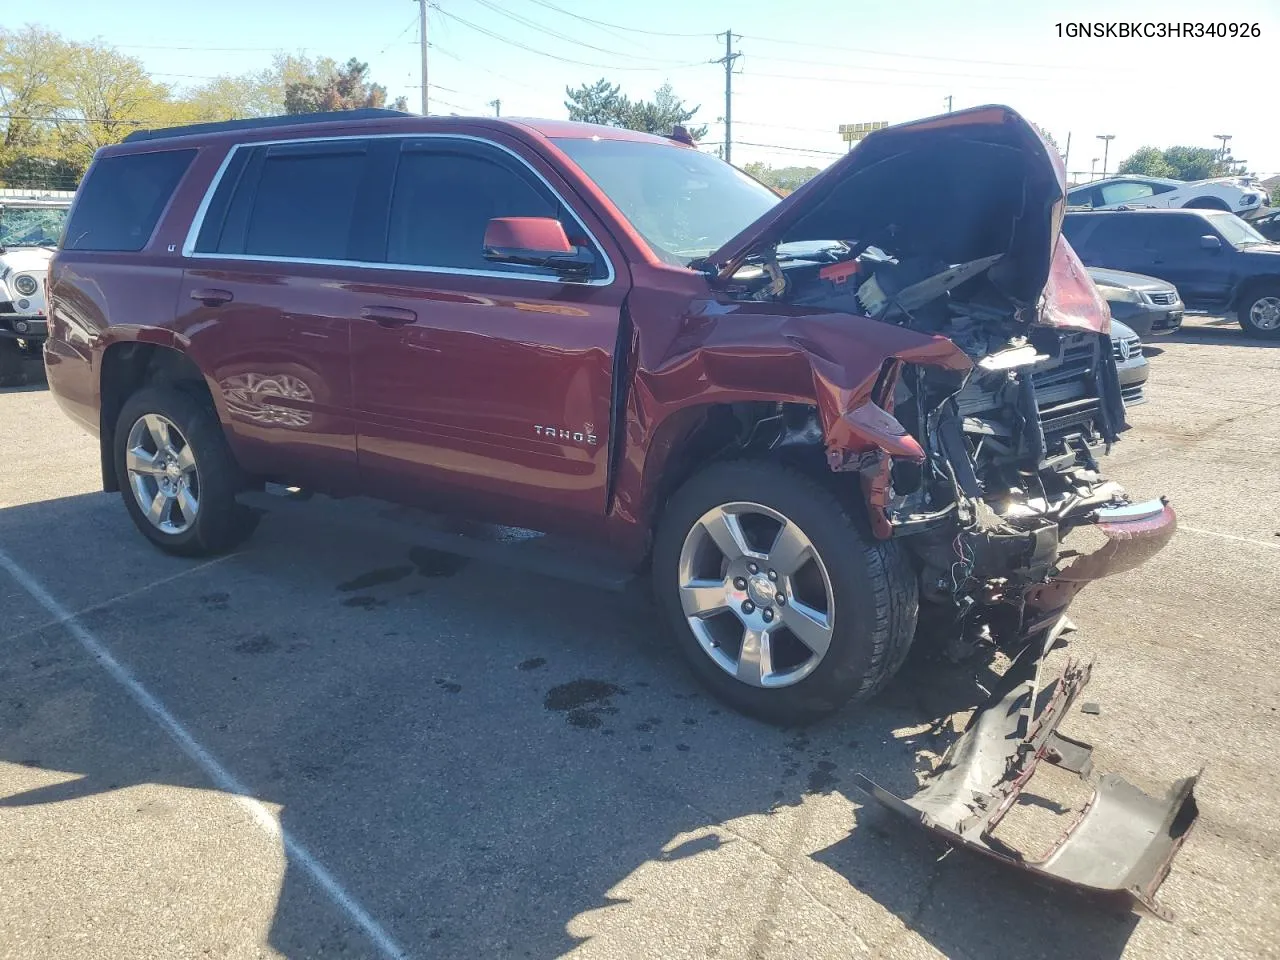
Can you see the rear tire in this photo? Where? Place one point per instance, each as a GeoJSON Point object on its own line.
{"type": "Point", "coordinates": [1259, 311]}
{"type": "Point", "coordinates": [170, 453]}
{"type": "Point", "coordinates": [864, 591]}
{"type": "Point", "coordinates": [1205, 203]}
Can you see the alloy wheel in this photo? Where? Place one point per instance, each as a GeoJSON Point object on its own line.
{"type": "Point", "coordinates": [163, 474]}
{"type": "Point", "coordinates": [1265, 313]}
{"type": "Point", "coordinates": [756, 594]}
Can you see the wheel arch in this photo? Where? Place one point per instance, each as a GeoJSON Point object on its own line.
{"type": "Point", "coordinates": [1206, 203]}
{"type": "Point", "coordinates": [126, 366]}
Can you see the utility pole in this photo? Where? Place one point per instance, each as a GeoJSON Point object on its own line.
{"type": "Point", "coordinates": [1066, 155]}
{"type": "Point", "coordinates": [422, 42]}
{"type": "Point", "coordinates": [1106, 139]}
{"type": "Point", "coordinates": [728, 59]}
{"type": "Point", "coordinates": [1222, 150]}
{"type": "Point", "coordinates": [948, 103]}
{"type": "Point", "coordinates": [497, 107]}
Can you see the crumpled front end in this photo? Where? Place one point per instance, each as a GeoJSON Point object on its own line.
{"type": "Point", "coordinates": [978, 445]}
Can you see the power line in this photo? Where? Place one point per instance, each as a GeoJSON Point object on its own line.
{"type": "Point", "coordinates": [775, 146]}
{"type": "Point", "coordinates": [542, 53]}
{"type": "Point", "coordinates": [908, 56]}
{"type": "Point", "coordinates": [409, 26]}
{"type": "Point", "coordinates": [475, 66]}
{"type": "Point", "coordinates": [615, 26]}
{"type": "Point", "coordinates": [906, 70]}
{"type": "Point", "coordinates": [524, 21]}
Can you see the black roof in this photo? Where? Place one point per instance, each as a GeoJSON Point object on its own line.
{"type": "Point", "coordinates": [289, 120]}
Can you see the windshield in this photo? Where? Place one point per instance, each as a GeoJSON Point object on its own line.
{"type": "Point", "coordinates": [685, 204]}
{"type": "Point", "coordinates": [1238, 233]}
{"type": "Point", "coordinates": [31, 226]}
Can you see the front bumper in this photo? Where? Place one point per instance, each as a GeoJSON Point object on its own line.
{"type": "Point", "coordinates": [1123, 844]}
{"type": "Point", "coordinates": [1124, 841]}
{"type": "Point", "coordinates": [1148, 318]}
{"type": "Point", "coordinates": [32, 327]}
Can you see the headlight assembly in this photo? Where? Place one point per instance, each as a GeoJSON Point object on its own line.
{"type": "Point", "coordinates": [26, 284]}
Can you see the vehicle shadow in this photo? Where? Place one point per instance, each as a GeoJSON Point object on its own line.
{"type": "Point", "coordinates": [490, 762]}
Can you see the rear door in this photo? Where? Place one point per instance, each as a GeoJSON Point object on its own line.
{"type": "Point", "coordinates": [268, 308]}
{"type": "Point", "coordinates": [481, 385]}
{"type": "Point", "coordinates": [1115, 240]}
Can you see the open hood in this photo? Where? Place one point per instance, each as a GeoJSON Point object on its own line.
{"type": "Point", "coordinates": [961, 187]}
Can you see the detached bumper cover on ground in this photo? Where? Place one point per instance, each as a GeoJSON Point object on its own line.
{"type": "Point", "coordinates": [1123, 844]}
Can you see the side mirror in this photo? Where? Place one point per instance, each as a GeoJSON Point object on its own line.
{"type": "Point", "coordinates": [1210, 242]}
{"type": "Point", "coordinates": [536, 242]}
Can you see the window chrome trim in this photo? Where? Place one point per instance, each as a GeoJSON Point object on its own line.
{"type": "Point", "coordinates": [189, 244]}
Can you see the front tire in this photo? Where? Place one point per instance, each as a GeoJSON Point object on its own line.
{"type": "Point", "coordinates": [177, 475]}
{"type": "Point", "coordinates": [782, 605]}
{"type": "Point", "coordinates": [1259, 312]}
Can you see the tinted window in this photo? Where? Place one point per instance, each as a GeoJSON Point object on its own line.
{"type": "Point", "coordinates": [303, 203]}
{"type": "Point", "coordinates": [443, 199]}
{"type": "Point", "coordinates": [1121, 232]}
{"type": "Point", "coordinates": [1082, 197]}
{"type": "Point", "coordinates": [1181, 233]}
{"type": "Point", "coordinates": [121, 200]}
{"type": "Point", "coordinates": [1124, 192]}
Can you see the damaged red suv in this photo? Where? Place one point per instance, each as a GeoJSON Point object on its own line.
{"type": "Point", "coordinates": [829, 425]}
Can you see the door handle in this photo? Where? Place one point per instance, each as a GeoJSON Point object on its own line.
{"type": "Point", "coordinates": [212, 296]}
{"type": "Point", "coordinates": [388, 316]}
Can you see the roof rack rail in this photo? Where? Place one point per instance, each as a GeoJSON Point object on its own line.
{"type": "Point", "coordinates": [255, 123]}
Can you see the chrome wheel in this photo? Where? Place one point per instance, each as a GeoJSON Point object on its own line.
{"type": "Point", "coordinates": [163, 474]}
{"type": "Point", "coordinates": [1265, 313]}
{"type": "Point", "coordinates": [756, 594]}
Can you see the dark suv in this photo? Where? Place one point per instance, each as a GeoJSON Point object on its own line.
{"type": "Point", "coordinates": [818, 420]}
{"type": "Point", "coordinates": [1216, 260]}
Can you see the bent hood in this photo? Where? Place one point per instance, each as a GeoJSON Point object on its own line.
{"type": "Point", "coordinates": [25, 260]}
{"type": "Point", "coordinates": [959, 187]}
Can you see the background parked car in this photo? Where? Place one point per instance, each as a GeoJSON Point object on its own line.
{"type": "Point", "coordinates": [1133, 366]}
{"type": "Point", "coordinates": [1268, 224]}
{"type": "Point", "coordinates": [1145, 305]}
{"type": "Point", "coordinates": [1216, 260]}
{"type": "Point", "coordinates": [1241, 195]}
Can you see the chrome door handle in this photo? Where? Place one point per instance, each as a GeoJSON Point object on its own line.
{"type": "Point", "coordinates": [212, 296]}
{"type": "Point", "coordinates": [388, 316]}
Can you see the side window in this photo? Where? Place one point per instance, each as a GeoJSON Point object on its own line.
{"type": "Point", "coordinates": [121, 200]}
{"type": "Point", "coordinates": [445, 195]}
{"type": "Point", "coordinates": [1182, 233]}
{"type": "Point", "coordinates": [1120, 232]}
{"type": "Point", "coordinates": [1082, 197]}
{"type": "Point", "coordinates": [1125, 191]}
{"type": "Point", "coordinates": [296, 201]}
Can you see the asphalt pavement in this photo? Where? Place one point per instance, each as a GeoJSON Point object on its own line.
{"type": "Point", "coordinates": [337, 745]}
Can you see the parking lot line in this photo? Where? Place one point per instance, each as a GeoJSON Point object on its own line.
{"type": "Point", "coordinates": [221, 777]}
{"type": "Point", "coordinates": [1229, 536]}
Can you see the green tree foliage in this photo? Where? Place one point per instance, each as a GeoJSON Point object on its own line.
{"type": "Point", "coordinates": [321, 85]}
{"type": "Point", "coordinates": [1048, 138]}
{"type": "Point", "coordinates": [603, 102]}
{"type": "Point", "coordinates": [782, 179]}
{"type": "Point", "coordinates": [1178, 163]}
{"type": "Point", "coordinates": [61, 100]}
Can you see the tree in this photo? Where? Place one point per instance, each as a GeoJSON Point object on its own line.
{"type": "Point", "coordinates": [330, 87]}
{"type": "Point", "coordinates": [598, 103]}
{"type": "Point", "coordinates": [1178, 163]}
{"type": "Point", "coordinates": [782, 179]}
{"type": "Point", "coordinates": [33, 65]}
{"type": "Point", "coordinates": [602, 102]}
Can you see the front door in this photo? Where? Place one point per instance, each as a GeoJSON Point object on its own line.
{"type": "Point", "coordinates": [484, 386]}
{"type": "Point", "coordinates": [1202, 275]}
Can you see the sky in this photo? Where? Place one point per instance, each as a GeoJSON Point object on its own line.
{"type": "Point", "coordinates": [804, 70]}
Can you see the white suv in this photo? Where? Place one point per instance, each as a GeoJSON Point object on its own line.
{"type": "Point", "coordinates": [1242, 196]}
{"type": "Point", "coordinates": [30, 224]}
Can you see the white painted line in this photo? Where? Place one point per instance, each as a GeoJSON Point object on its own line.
{"type": "Point", "coordinates": [120, 596]}
{"type": "Point", "coordinates": [1230, 536]}
{"type": "Point", "coordinates": [216, 772]}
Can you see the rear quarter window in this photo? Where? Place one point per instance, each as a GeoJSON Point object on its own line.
{"type": "Point", "coordinates": [122, 198]}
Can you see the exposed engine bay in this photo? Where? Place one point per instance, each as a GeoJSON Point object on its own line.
{"type": "Point", "coordinates": [1009, 466]}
